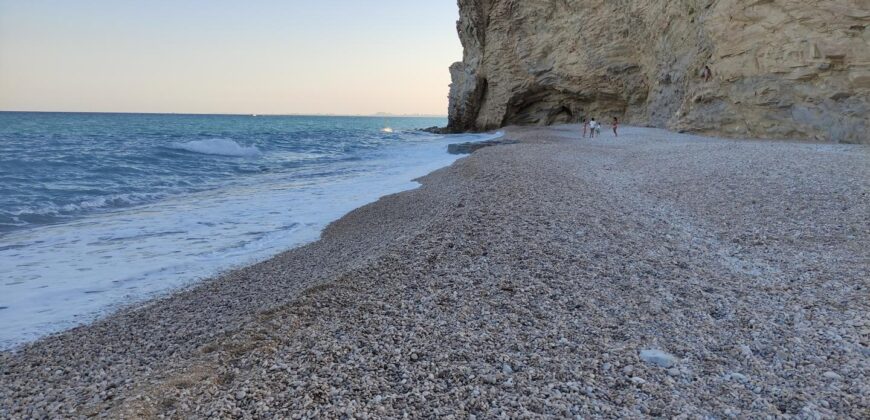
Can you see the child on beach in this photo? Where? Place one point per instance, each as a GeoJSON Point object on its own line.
{"type": "Point", "coordinates": [593, 128]}
{"type": "Point", "coordinates": [615, 126]}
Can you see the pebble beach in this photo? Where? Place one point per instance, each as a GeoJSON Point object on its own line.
{"type": "Point", "coordinates": [654, 274]}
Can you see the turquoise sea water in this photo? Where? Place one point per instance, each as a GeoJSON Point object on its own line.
{"type": "Point", "coordinates": [101, 210]}
{"type": "Point", "coordinates": [54, 167]}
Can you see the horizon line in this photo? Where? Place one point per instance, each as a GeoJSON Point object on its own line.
{"type": "Point", "coordinates": [377, 114]}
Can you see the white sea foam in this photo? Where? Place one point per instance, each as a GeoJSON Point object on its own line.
{"type": "Point", "coordinates": [59, 276]}
{"type": "Point", "coordinates": [109, 201]}
{"type": "Point", "coordinates": [297, 156]}
{"type": "Point", "coordinates": [220, 147]}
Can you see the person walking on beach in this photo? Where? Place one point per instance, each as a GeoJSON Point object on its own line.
{"type": "Point", "coordinates": [585, 126]}
{"type": "Point", "coordinates": [615, 126]}
{"type": "Point", "coordinates": [593, 127]}
{"type": "Point", "coordinates": [707, 74]}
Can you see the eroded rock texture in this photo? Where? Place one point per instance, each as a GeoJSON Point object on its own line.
{"type": "Point", "coordinates": [782, 68]}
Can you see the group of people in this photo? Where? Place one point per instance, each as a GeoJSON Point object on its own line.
{"type": "Point", "coordinates": [594, 127]}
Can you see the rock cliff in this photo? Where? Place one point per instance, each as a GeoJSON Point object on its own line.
{"type": "Point", "coordinates": [781, 68]}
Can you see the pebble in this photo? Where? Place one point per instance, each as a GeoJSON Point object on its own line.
{"type": "Point", "coordinates": [739, 377]}
{"type": "Point", "coordinates": [832, 376]}
{"type": "Point", "coordinates": [658, 358]}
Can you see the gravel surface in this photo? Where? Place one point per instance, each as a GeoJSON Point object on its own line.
{"type": "Point", "coordinates": [657, 274]}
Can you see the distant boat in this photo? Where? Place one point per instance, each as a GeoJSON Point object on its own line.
{"type": "Point", "coordinates": [253, 115]}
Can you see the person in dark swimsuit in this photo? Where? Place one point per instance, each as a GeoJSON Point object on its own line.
{"type": "Point", "coordinates": [615, 126]}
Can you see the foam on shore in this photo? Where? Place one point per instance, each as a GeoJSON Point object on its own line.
{"type": "Point", "coordinates": [60, 276]}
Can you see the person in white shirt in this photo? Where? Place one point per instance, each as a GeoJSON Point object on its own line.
{"type": "Point", "coordinates": [593, 128]}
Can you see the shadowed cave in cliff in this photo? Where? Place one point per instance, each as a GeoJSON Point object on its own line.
{"type": "Point", "coordinates": [540, 62]}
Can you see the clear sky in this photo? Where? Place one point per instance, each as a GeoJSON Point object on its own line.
{"type": "Point", "coordinates": [227, 56]}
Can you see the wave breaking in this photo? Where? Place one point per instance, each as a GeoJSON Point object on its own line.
{"type": "Point", "coordinates": [217, 147]}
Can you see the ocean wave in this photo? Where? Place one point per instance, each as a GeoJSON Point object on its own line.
{"type": "Point", "coordinates": [219, 147]}
{"type": "Point", "coordinates": [474, 137]}
{"type": "Point", "coordinates": [298, 156]}
{"type": "Point", "coordinates": [109, 201]}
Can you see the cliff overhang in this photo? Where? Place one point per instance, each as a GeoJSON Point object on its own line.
{"type": "Point", "coordinates": [781, 68]}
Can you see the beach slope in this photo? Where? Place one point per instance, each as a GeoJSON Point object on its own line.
{"type": "Point", "coordinates": [656, 274]}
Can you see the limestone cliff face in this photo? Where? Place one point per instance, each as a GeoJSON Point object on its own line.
{"type": "Point", "coordinates": [781, 68]}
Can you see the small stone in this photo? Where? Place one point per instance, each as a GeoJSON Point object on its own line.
{"type": "Point", "coordinates": [489, 379]}
{"type": "Point", "coordinates": [674, 372]}
{"type": "Point", "coordinates": [507, 369]}
{"type": "Point", "coordinates": [739, 377]}
{"type": "Point", "coordinates": [658, 358]}
{"type": "Point", "coordinates": [832, 376]}
{"type": "Point", "coordinates": [637, 381]}
{"type": "Point", "coordinates": [628, 369]}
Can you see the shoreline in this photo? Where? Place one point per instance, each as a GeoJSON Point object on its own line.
{"type": "Point", "coordinates": [95, 264]}
{"type": "Point", "coordinates": [530, 261]}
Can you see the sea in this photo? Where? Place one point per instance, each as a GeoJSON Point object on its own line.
{"type": "Point", "coordinates": [101, 211]}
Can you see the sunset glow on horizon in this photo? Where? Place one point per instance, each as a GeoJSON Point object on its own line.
{"type": "Point", "coordinates": [263, 56]}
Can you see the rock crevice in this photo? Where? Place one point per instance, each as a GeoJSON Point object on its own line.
{"type": "Point", "coordinates": [782, 68]}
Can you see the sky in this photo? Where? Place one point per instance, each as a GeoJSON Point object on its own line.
{"type": "Point", "coordinates": [349, 57]}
